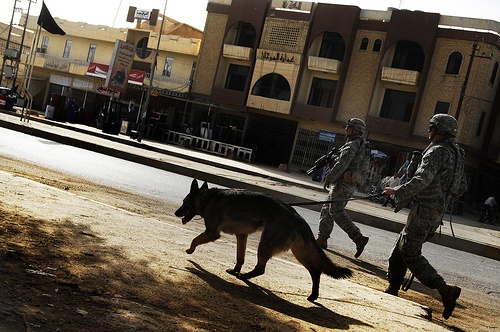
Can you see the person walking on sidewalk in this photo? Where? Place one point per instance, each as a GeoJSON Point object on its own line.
{"type": "Point", "coordinates": [439, 179]}
{"type": "Point", "coordinates": [392, 182]}
{"type": "Point", "coordinates": [340, 181]}
{"type": "Point", "coordinates": [489, 211]}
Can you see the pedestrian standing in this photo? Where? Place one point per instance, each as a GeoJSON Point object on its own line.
{"type": "Point", "coordinates": [491, 202]}
{"type": "Point", "coordinates": [392, 182]}
{"type": "Point", "coordinates": [340, 181]}
{"type": "Point", "coordinates": [439, 179]}
{"type": "Point", "coordinates": [489, 211]}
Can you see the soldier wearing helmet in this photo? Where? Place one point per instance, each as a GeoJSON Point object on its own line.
{"type": "Point", "coordinates": [357, 124]}
{"type": "Point", "coordinates": [443, 125]}
{"type": "Point", "coordinates": [340, 182]}
{"type": "Point", "coordinates": [438, 179]}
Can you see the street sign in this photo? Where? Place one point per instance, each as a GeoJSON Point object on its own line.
{"type": "Point", "coordinates": [327, 136]}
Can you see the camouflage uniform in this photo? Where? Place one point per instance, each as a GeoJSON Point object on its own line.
{"type": "Point", "coordinates": [416, 157]}
{"type": "Point", "coordinates": [343, 175]}
{"type": "Point", "coordinates": [429, 191]}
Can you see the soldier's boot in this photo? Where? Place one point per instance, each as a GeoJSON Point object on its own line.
{"type": "Point", "coordinates": [322, 242]}
{"type": "Point", "coordinates": [361, 242]}
{"type": "Point", "coordinates": [392, 289]}
{"type": "Point", "coordinates": [449, 296]}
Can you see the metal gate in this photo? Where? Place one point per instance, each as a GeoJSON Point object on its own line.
{"type": "Point", "coordinates": [308, 148]}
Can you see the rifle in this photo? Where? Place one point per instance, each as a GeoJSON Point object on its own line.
{"type": "Point", "coordinates": [323, 161]}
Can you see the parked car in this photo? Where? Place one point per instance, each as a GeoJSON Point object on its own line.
{"type": "Point", "coordinates": [6, 93]}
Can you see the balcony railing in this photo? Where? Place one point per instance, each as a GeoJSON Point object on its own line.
{"type": "Point", "coordinates": [173, 80]}
{"type": "Point", "coordinates": [324, 64]}
{"type": "Point", "coordinates": [62, 59]}
{"type": "Point", "coordinates": [179, 85]}
{"type": "Point", "coordinates": [61, 64]}
{"type": "Point", "coordinates": [269, 104]}
{"type": "Point", "coordinates": [401, 76]}
{"type": "Point", "coordinates": [237, 52]}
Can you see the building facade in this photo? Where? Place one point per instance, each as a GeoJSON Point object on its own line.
{"type": "Point", "coordinates": [285, 76]}
{"type": "Point", "coordinates": [69, 71]}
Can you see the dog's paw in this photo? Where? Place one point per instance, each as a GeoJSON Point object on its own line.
{"type": "Point", "coordinates": [189, 251]}
{"type": "Point", "coordinates": [233, 272]}
{"type": "Point", "coordinates": [312, 298]}
{"type": "Point", "coordinates": [242, 276]}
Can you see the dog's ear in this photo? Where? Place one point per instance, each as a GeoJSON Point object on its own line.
{"type": "Point", "coordinates": [194, 185]}
{"type": "Point", "coordinates": [204, 185]}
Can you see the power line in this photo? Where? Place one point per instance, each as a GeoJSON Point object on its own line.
{"type": "Point", "coordinates": [117, 11]}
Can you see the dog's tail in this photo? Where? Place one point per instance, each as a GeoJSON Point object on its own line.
{"type": "Point", "coordinates": [322, 262]}
{"type": "Point", "coordinates": [328, 267]}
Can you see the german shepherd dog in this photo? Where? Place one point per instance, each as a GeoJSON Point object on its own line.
{"type": "Point", "coordinates": [242, 212]}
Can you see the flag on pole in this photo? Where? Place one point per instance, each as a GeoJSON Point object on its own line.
{"type": "Point", "coordinates": [47, 22]}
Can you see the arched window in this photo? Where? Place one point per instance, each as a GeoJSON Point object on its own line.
{"type": "Point", "coordinates": [408, 55]}
{"type": "Point", "coordinates": [272, 86]}
{"type": "Point", "coordinates": [364, 44]}
{"type": "Point", "coordinates": [241, 34]}
{"type": "Point", "coordinates": [494, 73]}
{"type": "Point", "coordinates": [454, 63]}
{"type": "Point", "coordinates": [142, 49]}
{"type": "Point", "coordinates": [377, 45]}
{"type": "Point", "coordinates": [332, 46]}
{"type": "Point", "coordinates": [245, 35]}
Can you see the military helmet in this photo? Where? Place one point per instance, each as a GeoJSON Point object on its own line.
{"type": "Point", "coordinates": [445, 123]}
{"type": "Point", "coordinates": [357, 124]}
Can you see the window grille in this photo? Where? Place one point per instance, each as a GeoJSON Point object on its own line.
{"type": "Point", "coordinates": [284, 36]}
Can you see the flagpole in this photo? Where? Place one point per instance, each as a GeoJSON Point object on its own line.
{"type": "Point", "coordinates": [46, 22]}
{"type": "Point", "coordinates": [29, 73]}
{"type": "Point", "coordinates": [144, 113]}
{"type": "Point", "coordinates": [28, 70]}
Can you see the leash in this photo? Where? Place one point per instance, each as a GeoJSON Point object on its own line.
{"type": "Point", "coordinates": [334, 201]}
{"type": "Point", "coordinates": [407, 284]}
{"type": "Point", "coordinates": [451, 217]}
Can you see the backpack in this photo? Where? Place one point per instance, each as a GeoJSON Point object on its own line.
{"type": "Point", "coordinates": [364, 165]}
{"type": "Point", "coordinates": [456, 188]}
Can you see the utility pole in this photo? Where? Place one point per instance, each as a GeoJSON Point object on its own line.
{"type": "Point", "coordinates": [466, 80]}
{"type": "Point", "coordinates": [467, 74]}
{"type": "Point", "coordinates": [144, 110]}
{"type": "Point", "coordinates": [7, 44]}
{"type": "Point", "coordinates": [22, 43]}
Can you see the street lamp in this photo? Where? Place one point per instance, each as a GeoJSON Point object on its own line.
{"type": "Point", "coordinates": [144, 110]}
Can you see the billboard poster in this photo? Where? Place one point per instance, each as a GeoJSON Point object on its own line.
{"type": "Point", "coordinates": [101, 70]}
{"type": "Point", "coordinates": [120, 66]}
{"type": "Point", "coordinates": [142, 14]}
